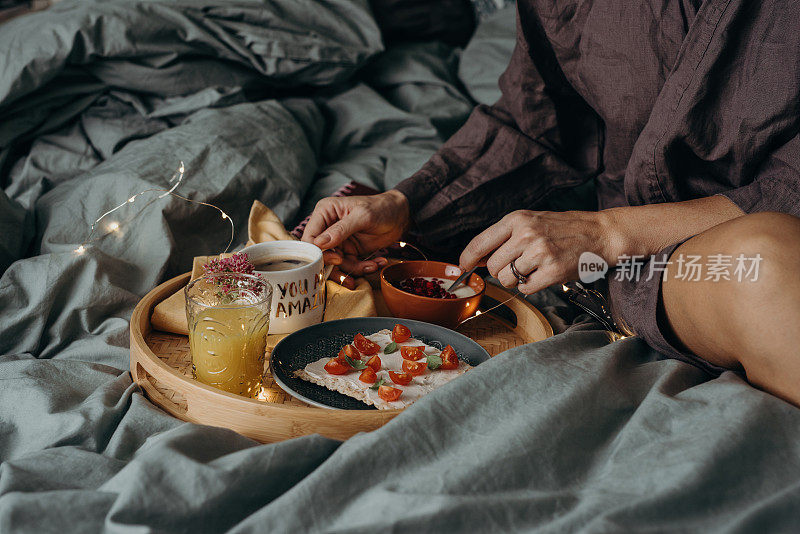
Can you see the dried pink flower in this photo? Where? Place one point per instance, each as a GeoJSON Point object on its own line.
{"type": "Point", "coordinates": [238, 263]}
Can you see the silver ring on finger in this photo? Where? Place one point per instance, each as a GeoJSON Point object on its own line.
{"type": "Point", "coordinates": [521, 278]}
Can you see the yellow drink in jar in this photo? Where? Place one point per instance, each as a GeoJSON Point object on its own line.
{"type": "Point", "coordinates": [228, 316]}
{"type": "Point", "coordinates": [228, 349]}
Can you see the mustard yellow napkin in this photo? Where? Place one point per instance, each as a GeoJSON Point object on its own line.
{"type": "Point", "coordinates": [263, 225]}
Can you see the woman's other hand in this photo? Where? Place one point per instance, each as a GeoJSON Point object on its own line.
{"type": "Point", "coordinates": [348, 228]}
{"type": "Point", "coordinates": [545, 246]}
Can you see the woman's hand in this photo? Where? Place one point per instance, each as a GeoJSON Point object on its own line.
{"type": "Point", "coordinates": [347, 228]}
{"type": "Point", "coordinates": [544, 245]}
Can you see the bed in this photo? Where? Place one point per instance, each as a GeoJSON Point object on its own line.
{"type": "Point", "coordinates": [285, 101]}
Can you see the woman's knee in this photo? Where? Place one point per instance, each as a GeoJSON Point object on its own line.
{"type": "Point", "coordinates": [769, 353]}
{"type": "Point", "coordinates": [764, 252]}
{"type": "Point", "coordinates": [765, 230]}
{"type": "Point", "coordinates": [748, 272]}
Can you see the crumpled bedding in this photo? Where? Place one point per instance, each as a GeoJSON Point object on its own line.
{"type": "Point", "coordinates": [283, 101]}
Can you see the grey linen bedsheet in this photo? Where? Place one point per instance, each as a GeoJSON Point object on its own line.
{"type": "Point", "coordinates": [284, 101]}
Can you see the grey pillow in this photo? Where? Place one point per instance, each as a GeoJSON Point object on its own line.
{"type": "Point", "coordinates": [177, 48]}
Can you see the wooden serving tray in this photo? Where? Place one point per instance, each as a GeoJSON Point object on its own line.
{"type": "Point", "coordinates": [161, 365]}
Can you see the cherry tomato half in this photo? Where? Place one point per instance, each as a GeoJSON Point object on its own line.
{"type": "Point", "coordinates": [411, 353]}
{"type": "Point", "coordinates": [375, 363]}
{"type": "Point", "coordinates": [449, 359]}
{"type": "Point", "coordinates": [389, 394]}
{"type": "Point", "coordinates": [337, 367]}
{"type": "Point", "coordinates": [403, 379]}
{"type": "Point", "coordinates": [400, 333]}
{"type": "Point", "coordinates": [350, 351]}
{"type": "Point", "coordinates": [368, 376]}
{"type": "Point", "coordinates": [366, 346]}
{"type": "Point", "coordinates": [414, 368]}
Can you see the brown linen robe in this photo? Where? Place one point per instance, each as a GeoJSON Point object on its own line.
{"type": "Point", "coordinates": [657, 101]}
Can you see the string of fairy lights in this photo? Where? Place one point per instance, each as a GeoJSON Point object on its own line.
{"type": "Point", "coordinates": [176, 180]}
{"type": "Point", "coordinates": [116, 226]}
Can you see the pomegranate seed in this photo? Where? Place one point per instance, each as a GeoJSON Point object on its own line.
{"type": "Point", "coordinates": [425, 288]}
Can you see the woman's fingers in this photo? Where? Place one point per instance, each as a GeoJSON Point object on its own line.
{"type": "Point", "coordinates": [350, 248]}
{"type": "Point", "coordinates": [349, 265]}
{"type": "Point", "coordinates": [338, 232]}
{"type": "Point", "coordinates": [368, 267]}
{"type": "Point", "coordinates": [352, 266]}
{"type": "Point", "coordinates": [538, 280]}
{"type": "Point", "coordinates": [344, 279]}
{"type": "Point", "coordinates": [483, 244]}
{"type": "Point", "coordinates": [323, 215]}
{"type": "Point", "coordinates": [526, 265]}
{"type": "Point", "coordinates": [333, 221]}
{"type": "Point", "coordinates": [332, 257]}
{"type": "Point", "coordinates": [538, 272]}
{"type": "Point", "coordinates": [510, 250]}
{"type": "Point", "coordinates": [507, 278]}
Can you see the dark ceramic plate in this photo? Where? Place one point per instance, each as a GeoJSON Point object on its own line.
{"type": "Point", "coordinates": [324, 340]}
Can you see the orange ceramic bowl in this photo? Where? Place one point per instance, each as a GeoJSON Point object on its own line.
{"type": "Point", "coordinates": [444, 312]}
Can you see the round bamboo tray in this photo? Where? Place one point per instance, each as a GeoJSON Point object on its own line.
{"type": "Point", "coordinates": [161, 366]}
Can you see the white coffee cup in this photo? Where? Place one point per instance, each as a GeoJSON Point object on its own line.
{"type": "Point", "coordinates": [298, 294]}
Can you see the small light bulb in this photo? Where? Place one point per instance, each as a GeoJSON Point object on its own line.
{"type": "Point", "coordinates": [477, 313]}
{"type": "Point", "coordinates": [342, 278]}
{"type": "Point", "coordinates": [402, 244]}
{"type": "Point", "coordinates": [224, 215]}
{"type": "Point", "coordinates": [132, 199]}
{"type": "Point", "coordinates": [114, 226]}
{"type": "Point", "coordinates": [564, 287]}
{"type": "Point", "coordinates": [80, 250]}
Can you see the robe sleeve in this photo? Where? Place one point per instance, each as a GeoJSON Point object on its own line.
{"type": "Point", "coordinates": [776, 186]}
{"type": "Point", "coordinates": [510, 155]}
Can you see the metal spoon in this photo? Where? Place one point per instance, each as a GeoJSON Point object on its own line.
{"type": "Point", "coordinates": [460, 279]}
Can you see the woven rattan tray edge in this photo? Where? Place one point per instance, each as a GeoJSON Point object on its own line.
{"type": "Point", "coordinates": [266, 421]}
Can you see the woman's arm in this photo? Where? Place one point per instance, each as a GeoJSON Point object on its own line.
{"type": "Point", "coordinates": [540, 136]}
{"type": "Point", "coordinates": [645, 230]}
{"type": "Point", "coordinates": [547, 245]}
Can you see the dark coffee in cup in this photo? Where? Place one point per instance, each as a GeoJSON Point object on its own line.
{"type": "Point", "coordinates": [281, 264]}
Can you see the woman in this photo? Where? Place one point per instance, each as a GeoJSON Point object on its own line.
{"type": "Point", "coordinates": [686, 114]}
